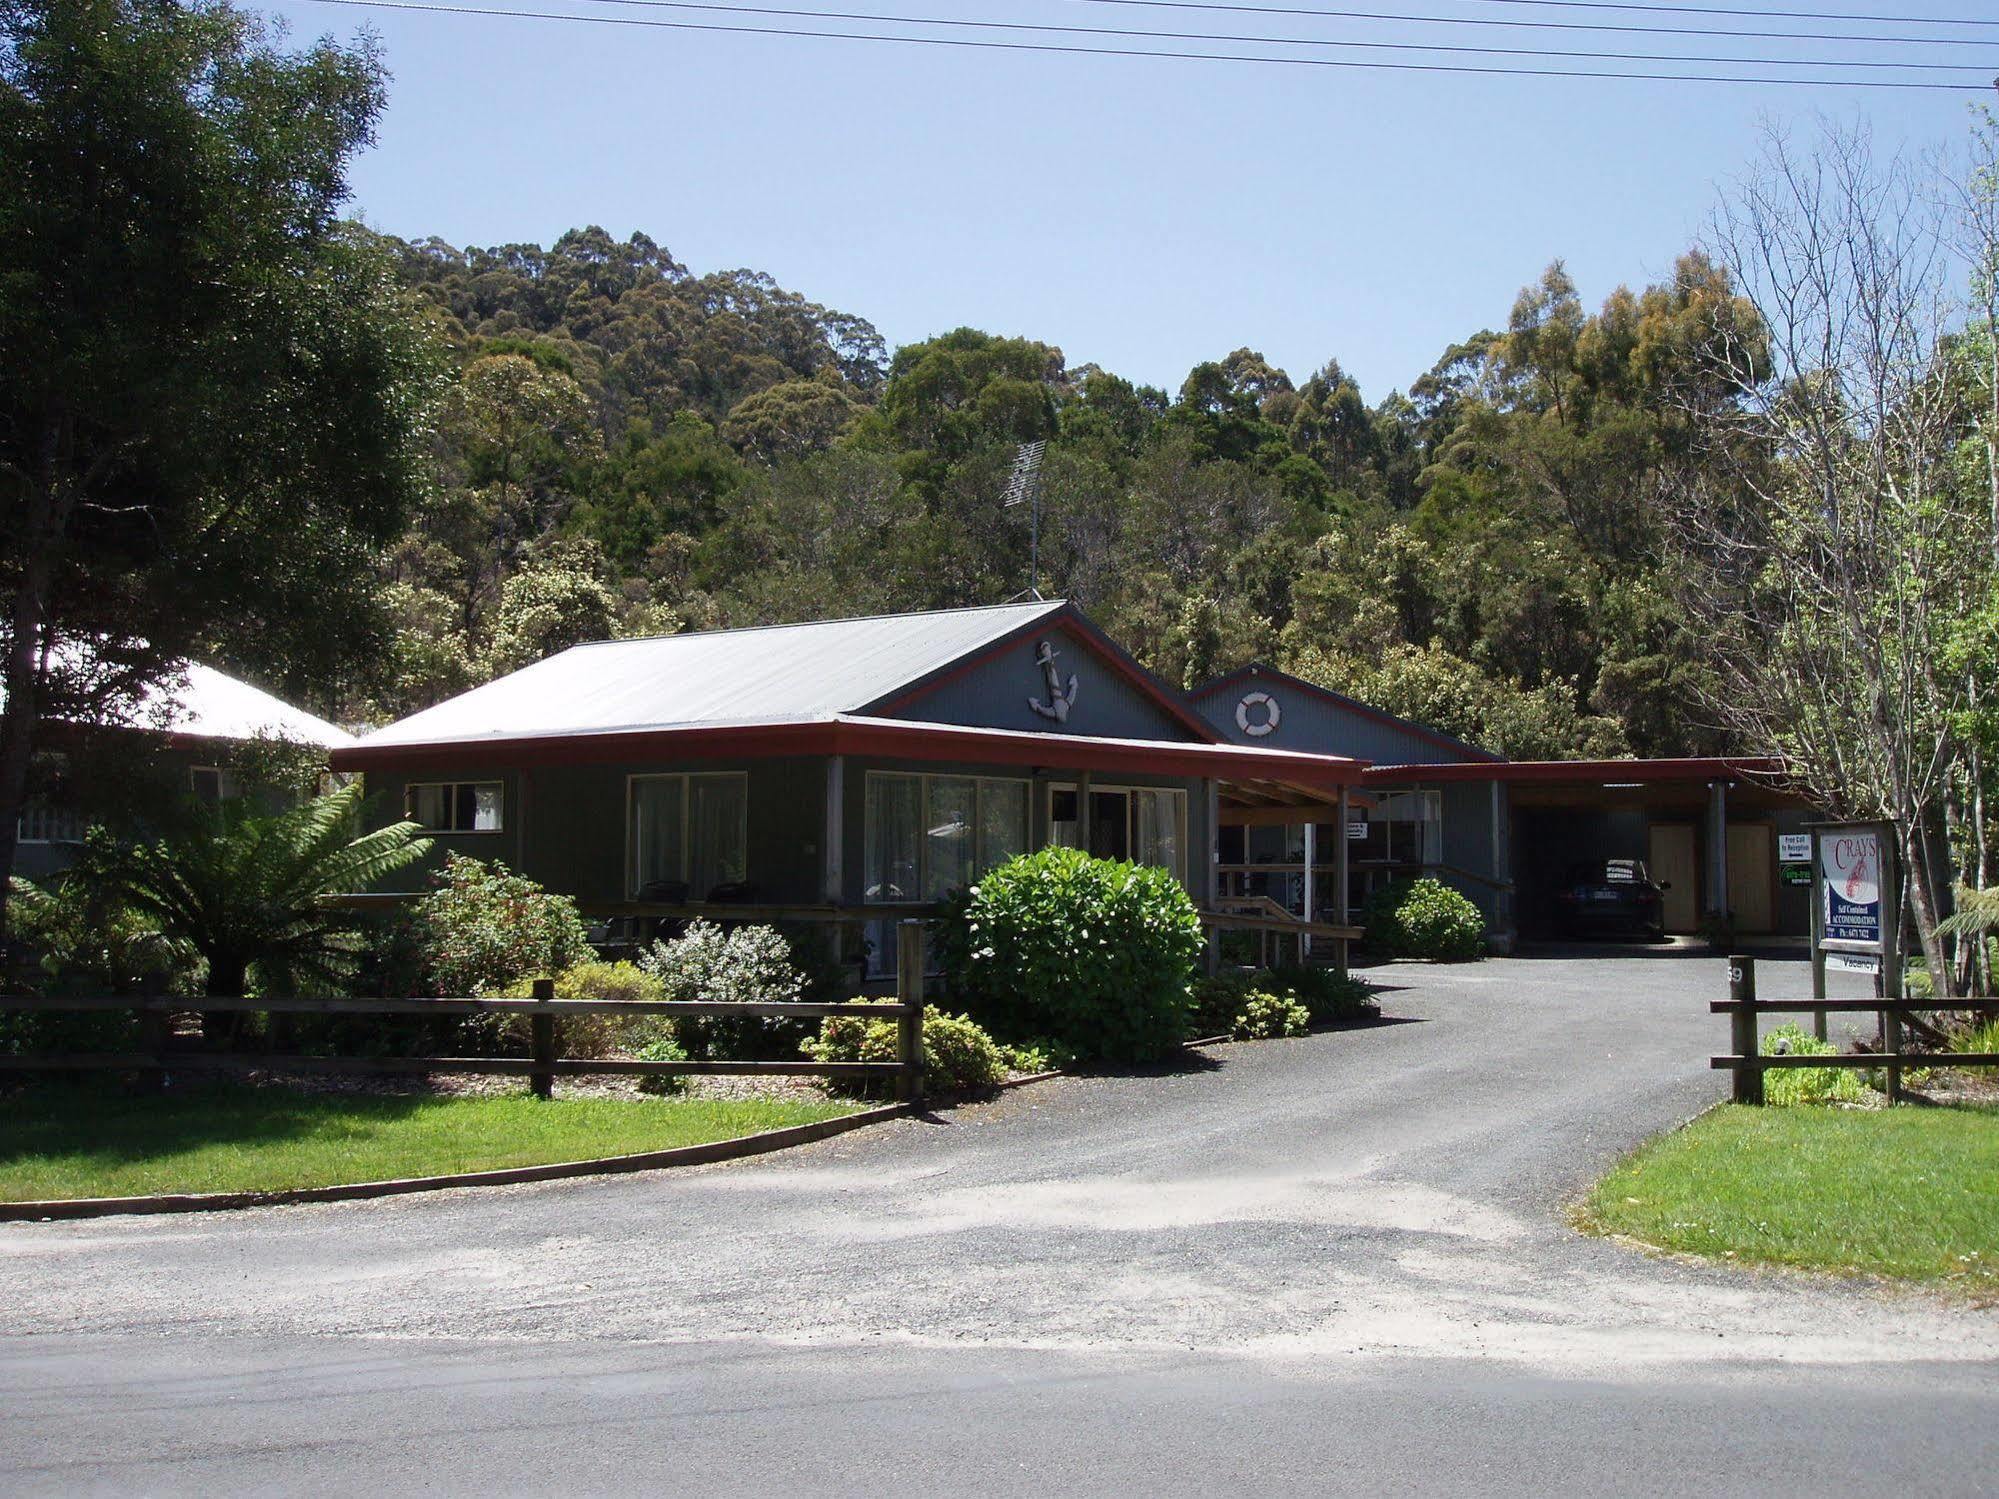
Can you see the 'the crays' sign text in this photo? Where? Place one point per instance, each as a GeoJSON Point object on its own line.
{"type": "Point", "coordinates": [1850, 864]}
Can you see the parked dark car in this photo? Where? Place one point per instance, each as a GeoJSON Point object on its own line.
{"type": "Point", "coordinates": [1616, 895]}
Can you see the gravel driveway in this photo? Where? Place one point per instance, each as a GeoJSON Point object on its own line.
{"type": "Point", "coordinates": [1337, 1263]}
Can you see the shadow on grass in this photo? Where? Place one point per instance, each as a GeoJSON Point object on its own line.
{"type": "Point", "coordinates": [112, 1126]}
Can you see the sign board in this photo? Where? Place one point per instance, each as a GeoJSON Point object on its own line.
{"type": "Point", "coordinates": [1850, 886]}
{"type": "Point", "coordinates": [1853, 962]}
{"type": "Point", "coordinates": [1794, 848]}
{"type": "Point", "coordinates": [1357, 832]}
{"type": "Point", "coordinates": [1794, 874]}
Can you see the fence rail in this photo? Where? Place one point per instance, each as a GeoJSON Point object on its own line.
{"type": "Point", "coordinates": [1748, 1064]}
{"type": "Point", "coordinates": [156, 1057]}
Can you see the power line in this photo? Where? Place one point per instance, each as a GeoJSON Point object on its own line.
{"type": "Point", "coordinates": [1280, 41]}
{"type": "Point", "coordinates": [1374, 15]}
{"type": "Point", "coordinates": [438, 8]}
{"type": "Point", "coordinates": [1724, 10]}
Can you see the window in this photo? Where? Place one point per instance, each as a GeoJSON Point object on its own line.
{"type": "Point", "coordinates": [688, 831]}
{"type": "Point", "coordinates": [454, 806]}
{"type": "Point", "coordinates": [1145, 824]}
{"type": "Point", "coordinates": [212, 786]}
{"type": "Point", "coordinates": [41, 823]}
{"type": "Point", "coordinates": [930, 835]}
{"type": "Point", "coordinates": [1414, 825]}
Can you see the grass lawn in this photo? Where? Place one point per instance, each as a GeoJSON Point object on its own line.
{"type": "Point", "coordinates": [78, 1142]}
{"type": "Point", "coordinates": [1909, 1192]}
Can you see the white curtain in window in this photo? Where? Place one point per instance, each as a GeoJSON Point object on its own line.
{"type": "Point", "coordinates": [1155, 828]}
{"type": "Point", "coordinates": [716, 855]}
{"type": "Point", "coordinates": [894, 815]}
{"type": "Point", "coordinates": [1002, 822]}
{"type": "Point", "coordinates": [656, 829]}
{"type": "Point", "coordinates": [950, 834]}
{"type": "Point", "coordinates": [486, 808]}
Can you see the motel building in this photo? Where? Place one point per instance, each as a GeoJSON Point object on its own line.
{"type": "Point", "coordinates": [845, 773]}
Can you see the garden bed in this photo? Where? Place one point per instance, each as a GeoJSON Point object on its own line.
{"type": "Point", "coordinates": [1903, 1192]}
{"type": "Point", "coordinates": [69, 1142]}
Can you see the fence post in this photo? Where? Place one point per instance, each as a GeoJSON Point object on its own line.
{"type": "Point", "coordinates": [541, 1036]}
{"type": "Point", "coordinates": [1742, 1029]}
{"type": "Point", "coordinates": [1891, 1040]}
{"type": "Point", "coordinates": [909, 1025]}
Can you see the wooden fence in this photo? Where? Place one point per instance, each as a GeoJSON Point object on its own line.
{"type": "Point", "coordinates": [156, 1056]}
{"type": "Point", "coordinates": [1747, 1064]}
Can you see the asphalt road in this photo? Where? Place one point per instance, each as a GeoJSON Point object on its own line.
{"type": "Point", "coordinates": [1337, 1264]}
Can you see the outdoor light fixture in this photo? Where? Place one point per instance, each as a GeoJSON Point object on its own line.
{"type": "Point", "coordinates": [1623, 785]}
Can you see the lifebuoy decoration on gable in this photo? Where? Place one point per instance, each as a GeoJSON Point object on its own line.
{"type": "Point", "coordinates": [1258, 714]}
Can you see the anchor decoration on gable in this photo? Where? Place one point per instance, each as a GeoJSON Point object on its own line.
{"type": "Point", "coordinates": [1059, 701]}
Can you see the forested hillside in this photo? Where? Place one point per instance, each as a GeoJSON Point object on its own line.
{"type": "Point", "coordinates": [629, 447]}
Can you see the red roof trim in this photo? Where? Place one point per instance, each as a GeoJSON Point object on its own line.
{"type": "Point", "coordinates": [1715, 768]}
{"type": "Point", "coordinates": [1068, 617]}
{"type": "Point", "coordinates": [1352, 704]}
{"type": "Point", "coordinates": [883, 738]}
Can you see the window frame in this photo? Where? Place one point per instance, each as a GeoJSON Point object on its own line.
{"type": "Point", "coordinates": [1180, 814]}
{"type": "Point", "coordinates": [686, 779]}
{"type": "Point", "coordinates": [410, 788]}
{"type": "Point", "coordinates": [923, 778]}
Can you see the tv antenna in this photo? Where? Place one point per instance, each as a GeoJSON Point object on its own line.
{"type": "Point", "coordinates": [1023, 487]}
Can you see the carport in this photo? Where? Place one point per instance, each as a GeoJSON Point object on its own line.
{"type": "Point", "coordinates": [1711, 829]}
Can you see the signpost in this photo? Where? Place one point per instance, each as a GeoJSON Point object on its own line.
{"type": "Point", "coordinates": [1857, 917]}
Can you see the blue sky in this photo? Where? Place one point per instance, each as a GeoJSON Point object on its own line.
{"type": "Point", "coordinates": [1138, 213]}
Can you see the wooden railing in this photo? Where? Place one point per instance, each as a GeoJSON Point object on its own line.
{"type": "Point", "coordinates": [1747, 1064]}
{"type": "Point", "coordinates": [156, 1056]}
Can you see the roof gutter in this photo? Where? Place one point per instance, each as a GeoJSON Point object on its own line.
{"type": "Point", "coordinates": [883, 738]}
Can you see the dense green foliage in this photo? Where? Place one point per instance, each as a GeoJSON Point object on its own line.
{"type": "Point", "coordinates": [481, 929]}
{"type": "Point", "coordinates": [958, 1056]}
{"type": "Point", "coordinates": [245, 889]}
{"type": "Point", "coordinates": [1424, 919]}
{"type": "Point", "coordinates": [743, 965]}
{"type": "Point", "coordinates": [635, 448]}
{"type": "Point", "coordinates": [1223, 1002]}
{"type": "Point", "coordinates": [94, 1142]}
{"type": "Point", "coordinates": [1784, 1085]}
{"type": "Point", "coordinates": [1268, 1017]}
{"type": "Point", "coordinates": [1095, 953]}
{"type": "Point", "coordinates": [1903, 1192]}
{"type": "Point", "coordinates": [212, 390]}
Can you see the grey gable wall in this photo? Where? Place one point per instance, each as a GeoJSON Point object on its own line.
{"type": "Point", "coordinates": [1317, 725]}
{"type": "Point", "coordinates": [993, 694]}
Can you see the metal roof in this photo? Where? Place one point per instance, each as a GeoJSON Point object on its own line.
{"type": "Point", "coordinates": [214, 705]}
{"type": "Point", "coordinates": [197, 702]}
{"type": "Point", "coordinates": [773, 674]}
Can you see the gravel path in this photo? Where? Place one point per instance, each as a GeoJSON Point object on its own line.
{"type": "Point", "coordinates": [1356, 1221]}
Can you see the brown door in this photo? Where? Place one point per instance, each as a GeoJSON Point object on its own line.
{"type": "Point", "coordinates": [1672, 864]}
{"type": "Point", "coordinates": [1749, 879]}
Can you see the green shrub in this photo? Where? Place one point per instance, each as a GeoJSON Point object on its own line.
{"type": "Point", "coordinates": [1266, 1017]}
{"type": "Point", "coordinates": [1218, 999]}
{"type": "Point", "coordinates": [482, 929]}
{"type": "Point", "coordinates": [590, 1036]}
{"type": "Point", "coordinates": [1789, 1085]}
{"type": "Point", "coordinates": [1424, 919]}
{"type": "Point", "coordinates": [1327, 995]}
{"type": "Point", "coordinates": [1095, 953]}
{"type": "Point", "coordinates": [662, 1048]}
{"type": "Point", "coordinates": [958, 1055]}
{"type": "Point", "coordinates": [749, 965]}
{"type": "Point", "coordinates": [88, 942]}
{"type": "Point", "coordinates": [1035, 1056]}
